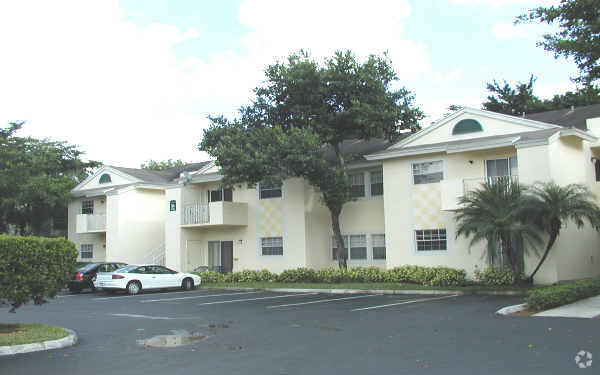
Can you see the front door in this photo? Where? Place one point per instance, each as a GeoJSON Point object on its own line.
{"type": "Point", "coordinates": [227, 256]}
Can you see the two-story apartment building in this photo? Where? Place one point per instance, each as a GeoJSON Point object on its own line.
{"type": "Point", "coordinates": [406, 194]}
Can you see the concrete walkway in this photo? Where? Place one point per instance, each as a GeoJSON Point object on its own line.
{"type": "Point", "coordinates": [585, 308]}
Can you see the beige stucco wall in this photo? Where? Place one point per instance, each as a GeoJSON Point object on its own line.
{"type": "Point", "coordinates": [490, 127]}
{"type": "Point", "coordinates": [98, 240]}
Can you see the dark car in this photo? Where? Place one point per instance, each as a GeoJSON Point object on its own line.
{"type": "Point", "coordinates": [85, 275]}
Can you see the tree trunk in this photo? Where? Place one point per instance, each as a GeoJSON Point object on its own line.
{"type": "Point", "coordinates": [341, 252]}
{"type": "Point", "coordinates": [555, 229]}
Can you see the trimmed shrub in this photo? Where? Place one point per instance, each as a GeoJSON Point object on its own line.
{"type": "Point", "coordinates": [562, 294]}
{"type": "Point", "coordinates": [34, 268]}
{"type": "Point", "coordinates": [428, 276]}
{"type": "Point", "coordinates": [495, 276]}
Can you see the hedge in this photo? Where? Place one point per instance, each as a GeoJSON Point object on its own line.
{"type": "Point", "coordinates": [562, 294]}
{"type": "Point", "coordinates": [34, 268]}
{"type": "Point", "coordinates": [429, 276]}
{"type": "Point", "coordinates": [495, 276]}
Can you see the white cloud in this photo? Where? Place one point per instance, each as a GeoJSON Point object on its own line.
{"type": "Point", "coordinates": [508, 31]}
{"type": "Point", "coordinates": [76, 71]}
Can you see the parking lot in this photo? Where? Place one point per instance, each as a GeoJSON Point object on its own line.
{"type": "Point", "coordinates": [257, 332]}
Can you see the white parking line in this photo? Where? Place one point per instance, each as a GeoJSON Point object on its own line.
{"type": "Point", "coordinates": [143, 316]}
{"type": "Point", "coordinates": [320, 301]}
{"type": "Point", "coordinates": [256, 299]}
{"type": "Point", "coordinates": [140, 295]}
{"type": "Point", "coordinates": [192, 297]}
{"type": "Point", "coordinates": [404, 302]}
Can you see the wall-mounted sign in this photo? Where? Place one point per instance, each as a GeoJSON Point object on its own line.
{"type": "Point", "coordinates": [173, 205]}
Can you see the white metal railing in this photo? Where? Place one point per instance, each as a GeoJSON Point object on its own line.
{"type": "Point", "coordinates": [196, 214]}
{"type": "Point", "coordinates": [470, 184]}
{"type": "Point", "coordinates": [157, 256]}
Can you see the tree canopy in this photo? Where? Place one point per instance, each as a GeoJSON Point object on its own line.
{"type": "Point", "coordinates": [161, 165]}
{"type": "Point", "coordinates": [303, 108]}
{"type": "Point", "coordinates": [520, 99]}
{"type": "Point", "coordinates": [36, 177]}
{"type": "Point", "coordinates": [579, 35]}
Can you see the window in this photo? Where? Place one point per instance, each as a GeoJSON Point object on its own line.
{"type": "Point", "coordinates": [428, 172]}
{"type": "Point", "coordinates": [358, 246]}
{"type": "Point", "coordinates": [431, 239]}
{"type": "Point", "coordinates": [87, 207]}
{"type": "Point", "coordinates": [376, 183]}
{"type": "Point", "coordinates": [272, 245]}
{"type": "Point", "coordinates": [87, 251]}
{"type": "Point", "coordinates": [502, 168]}
{"type": "Point", "coordinates": [334, 247]}
{"type": "Point", "coordinates": [467, 126]}
{"type": "Point", "coordinates": [269, 191]}
{"type": "Point", "coordinates": [357, 185]}
{"type": "Point", "coordinates": [220, 195]}
{"type": "Point", "coordinates": [104, 179]}
{"type": "Point", "coordinates": [378, 243]}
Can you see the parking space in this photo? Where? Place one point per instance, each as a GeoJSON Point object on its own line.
{"type": "Point", "coordinates": [248, 331]}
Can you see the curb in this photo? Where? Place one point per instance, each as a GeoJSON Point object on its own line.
{"type": "Point", "coordinates": [69, 340]}
{"type": "Point", "coordinates": [377, 291]}
{"type": "Point", "coordinates": [508, 310]}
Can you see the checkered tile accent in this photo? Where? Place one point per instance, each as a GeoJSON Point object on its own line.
{"type": "Point", "coordinates": [427, 207]}
{"type": "Point", "coordinates": [270, 218]}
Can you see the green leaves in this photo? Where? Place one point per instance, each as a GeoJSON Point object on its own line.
{"type": "Point", "coordinates": [36, 177]}
{"type": "Point", "coordinates": [34, 268]}
{"type": "Point", "coordinates": [579, 35]}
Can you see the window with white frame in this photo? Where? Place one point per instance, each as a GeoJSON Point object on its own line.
{"type": "Point", "coordinates": [428, 172]}
{"type": "Point", "coordinates": [269, 191]}
{"type": "Point", "coordinates": [376, 178]}
{"type": "Point", "coordinates": [272, 245]}
{"type": "Point", "coordinates": [220, 195]}
{"type": "Point", "coordinates": [430, 239]}
{"type": "Point", "coordinates": [358, 247]}
{"type": "Point", "coordinates": [357, 184]}
{"type": "Point", "coordinates": [334, 247]}
{"type": "Point", "coordinates": [497, 168]}
{"type": "Point", "coordinates": [378, 244]}
{"type": "Point", "coordinates": [87, 251]}
{"type": "Point", "coordinates": [87, 207]}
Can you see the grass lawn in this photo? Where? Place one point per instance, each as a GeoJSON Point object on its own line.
{"type": "Point", "coordinates": [27, 333]}
{"type": "Point", "coordinates": [368, 286]}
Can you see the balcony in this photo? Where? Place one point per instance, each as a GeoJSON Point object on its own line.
{"type": "Point", "coordinates": [452, 190]}
{"type": "Point", "coordinates": [91, 223]}
{"type": "Point", "coordinates": [215, 214]}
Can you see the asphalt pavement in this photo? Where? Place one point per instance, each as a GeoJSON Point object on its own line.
{"type": "Point", "coordinates": [256, 332]}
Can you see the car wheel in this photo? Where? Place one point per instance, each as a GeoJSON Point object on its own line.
{"type": "Point", "coordinates": [187, 284]}
{"type": "Point", "coordinates": [134, 287]}
{"type": "Point", "coordinates": [75, 290]}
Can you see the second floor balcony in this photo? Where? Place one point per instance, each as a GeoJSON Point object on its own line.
{"type": "Point", "coordinates": [90, 223]}
{"type": "Point", "coordinates": [215, 214]}
{"type": "Point", "coordinates": [453, 189]}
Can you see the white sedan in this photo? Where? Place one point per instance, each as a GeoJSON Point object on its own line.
{"type": "Point", "coordinates": [134, 278]}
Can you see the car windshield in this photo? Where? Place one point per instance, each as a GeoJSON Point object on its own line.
{"type": "Point", "coordinates": [87, 267]}
{"type": "Point", "coordinates": [126, 269]}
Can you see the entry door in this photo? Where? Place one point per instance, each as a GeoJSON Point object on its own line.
{"type": "Point", "coordinates": [214, 254]}
{"type": "Point", "coordinates": [227, 256]}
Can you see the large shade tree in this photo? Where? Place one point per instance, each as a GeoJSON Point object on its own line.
{"type": "Point", "coordinates": [303, 108]}
{"type": "Point", "coordinates": [36, 176]}
{"type": "Point", "coordinates": [578, 36]}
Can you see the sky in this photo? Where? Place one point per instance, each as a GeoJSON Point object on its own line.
{"type": "Point", "coordinates": [133, 80]}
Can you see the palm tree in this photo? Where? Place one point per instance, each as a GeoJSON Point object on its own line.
{"type": "Point", "coordinates": [499, 213]}
{"type": "Point", "coordinates": [557, 205]}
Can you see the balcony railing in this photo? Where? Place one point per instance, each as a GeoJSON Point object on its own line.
{"type": "Point", "coordinates": [196, 214]}
{"type": "Point", "coordinates": [91, 223]}
{"type": "Point", "coordinates": [452, 190]}
{"type": "Point", "coordinates": [216, 213]}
